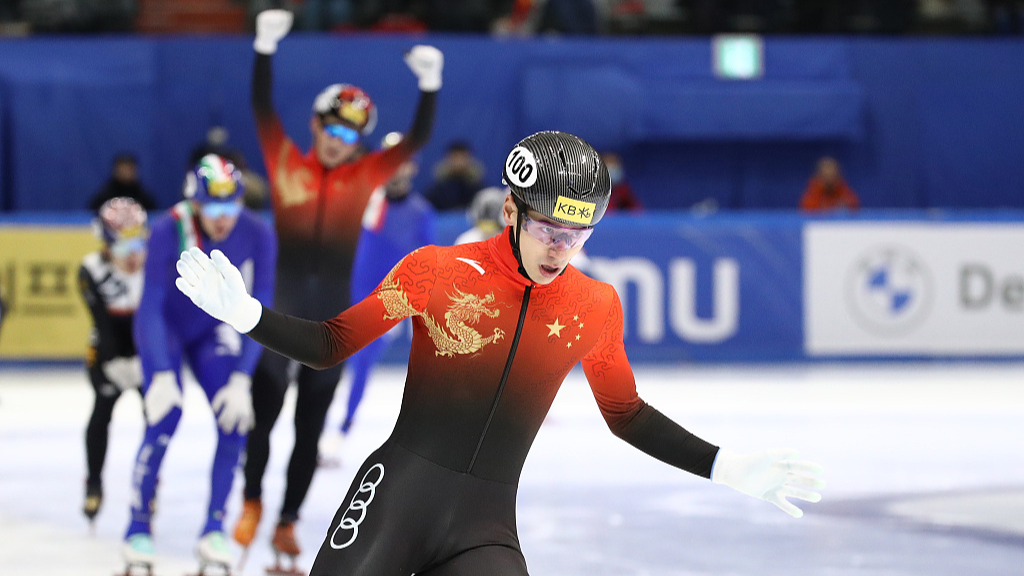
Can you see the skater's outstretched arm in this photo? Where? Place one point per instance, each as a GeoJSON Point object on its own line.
{"type": "Point", "coordinates": [216, 286]}
{"type": "Point", "coordinates": [773, 476]}
{"type": "Point", "coordinates": [377, 168]}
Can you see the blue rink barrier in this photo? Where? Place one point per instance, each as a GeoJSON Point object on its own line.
{"type": "Point", "coordinates": [779, 286]}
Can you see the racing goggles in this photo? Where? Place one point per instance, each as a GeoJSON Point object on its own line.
{"type": "Point", "coordinates": [560, 237]}
{"type": "Point", "coordinates": [214, 210]}
{"type": "Point", "coordinates": [342, 132]}
{"type": "Point", "coordinates": [127, 247]}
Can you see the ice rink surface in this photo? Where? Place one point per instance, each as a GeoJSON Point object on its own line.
{"type": "Point", "coordinates": [924, 464]}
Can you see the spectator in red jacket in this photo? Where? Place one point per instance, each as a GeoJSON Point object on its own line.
{"type": "Point", "coordinates": [828, 191]}
{"type": "Point", "coordinates": [623, 197]}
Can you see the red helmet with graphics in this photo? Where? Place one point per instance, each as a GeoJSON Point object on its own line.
{"type": "Point", "coordinates": [348, 103]}
{"type": "Point", "coordinates": [122, 225]}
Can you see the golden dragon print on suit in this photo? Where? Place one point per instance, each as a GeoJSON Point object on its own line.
{"type": "Point", "coordinates": [464, 309]}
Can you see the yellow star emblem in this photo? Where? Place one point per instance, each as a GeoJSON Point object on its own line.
{"type": "Point", "coordinates": [555, 329]}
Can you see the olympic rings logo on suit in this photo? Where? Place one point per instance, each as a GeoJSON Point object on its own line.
{"type": "Point", "coordinates": [360, 501]}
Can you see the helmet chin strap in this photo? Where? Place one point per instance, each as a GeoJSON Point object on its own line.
{"type": "Point", "coordinates": [520, 210]}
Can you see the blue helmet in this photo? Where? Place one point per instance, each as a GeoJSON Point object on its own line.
{"type": "Point", "coordinates": [214, 179]}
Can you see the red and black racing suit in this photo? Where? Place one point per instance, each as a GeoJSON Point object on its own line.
{"type": "Point", "coordinates": [317, 212]}
{"type": "Point", "coordinates": [490, 350]}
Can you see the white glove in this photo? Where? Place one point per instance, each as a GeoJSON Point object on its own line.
{"type": "Point", "coordinates": [772, 476]}
{"type": "Point", "coordinates": [125, 373]}
{"type": "Point", "coordinates": [233, 404]}
{"type": "Point", "coordinates": [271, 26]}
{"type": "Point", "coordinates": [426, 63]}
{"type": "Point", "coordinates": [162, 396]}
{"type": "Point", "coordinates": [216, 286]}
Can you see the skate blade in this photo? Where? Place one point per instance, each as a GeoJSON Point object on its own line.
{"type": "Point", "coordinates": [278, 570]}
{"type": "Point", "coordinates": [281, 571]}
{"type": "Point", "coordinates": [212, 569]}
{"type": "Point", "coordinates": [137, 569]}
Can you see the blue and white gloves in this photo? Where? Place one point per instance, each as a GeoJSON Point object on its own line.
{"type": "Point", "coordinates": [216, 286]}
{"type": "Point", "coordinates": [425, 62]}
{"type": "Point", "coordinates": [124, 372]}
{"type": "Point", "coordinates": [772, 476]}
{"type": "Point", "coordinates": [233, 404]}
{"type": "Point", "coordinates": [271, 27]}
{"type": "Point", "coordinates": [162, 396]}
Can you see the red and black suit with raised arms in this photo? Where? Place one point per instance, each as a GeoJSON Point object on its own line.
{"type": "Point", "coordinates": [317, 213]}
{"type": "Point", "coordinates": [490, 350]}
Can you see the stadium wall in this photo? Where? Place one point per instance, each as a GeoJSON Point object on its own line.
{"type": "Point", "coordinates": [916, 123]}
{"type": "Point", "coordinates": [776, 287]}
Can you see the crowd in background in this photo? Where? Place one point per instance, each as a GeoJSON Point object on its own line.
{"type": "Point", "coordinates": [526, 17]}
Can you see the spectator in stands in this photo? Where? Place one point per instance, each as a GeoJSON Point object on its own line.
{"type": "Point", "coordinates": [623, 197]}
{"type": "Point", "coordinates": [1006, 16]}
{"type": "Point", "coordinates": [828, 191]}
{"type": "Point", "coordinates": [123, 182]}
{"type": "Point", "coordinates": [325, 14]}
{"type": "Point", "coordinates": [568, 17]}
{"type": "Point", "coordinates": [457, 177]}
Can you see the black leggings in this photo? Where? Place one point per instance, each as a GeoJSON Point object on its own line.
{"type": "Point", "coordinates": [98, 430]}
{"type": "Point", "coordinates": [269, 384]}
{"type": "Point", "coordinates": [406, 515]}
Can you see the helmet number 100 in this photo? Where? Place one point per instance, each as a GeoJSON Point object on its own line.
{"type": "Point", "coordinates": [521, 167]}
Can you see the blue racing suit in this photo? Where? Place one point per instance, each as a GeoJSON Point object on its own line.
{"type": "Point", "coordinates": [168, 328]}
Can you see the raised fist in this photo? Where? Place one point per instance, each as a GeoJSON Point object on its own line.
{"type": "Point", "coordinates": [426, 63]}
{"type": "Point", "coordinates": [271, 26]}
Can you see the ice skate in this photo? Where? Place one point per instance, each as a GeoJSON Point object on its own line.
{"type": "Point", "coordinates": [138, 555]}
{"type": "Point", "coordinates": [284, 544]}
{"type": "Point", "coordinates": [329, 449]}
{"type": "Point", "coordinates": [245, 529]}
{"type": "Point", "coordinates": [214, 554]}
{"type": "Point", "coordinates": [93, 501]}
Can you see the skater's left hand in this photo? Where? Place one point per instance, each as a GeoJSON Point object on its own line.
{"type": "Point", "coordinates": [426, 63]}
{"type": "Point", "coordinates": [233, 404]}
{"type": "Point", "coordinates": [772, 476]}
{"type": "Point", "coordinates": [215, 285]}
{"type": "Point", "coordinates": [125, 373]}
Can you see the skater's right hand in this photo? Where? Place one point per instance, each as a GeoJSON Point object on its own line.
{"type": "Point", "coordinates": [216, 286]}
{"type": "Point", "coordinates": [162, 396]}
{"type": "Point", "coordinates": [271, 27]}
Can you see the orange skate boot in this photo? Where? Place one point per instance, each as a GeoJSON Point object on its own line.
{"type": "Point", "coordinates": [284, 544]}
{"type": "Point", "coordinates": [245, 529]}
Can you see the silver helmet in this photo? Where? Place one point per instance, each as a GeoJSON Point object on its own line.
{"type": "Point", "coordinates": [560, 176]}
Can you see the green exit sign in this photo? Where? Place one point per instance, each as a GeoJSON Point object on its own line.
{"type": "Point", "coordinates": [738, 56]}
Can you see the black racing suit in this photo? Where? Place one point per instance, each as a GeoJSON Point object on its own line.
{"type": "Point", "coordinates": [318, 213]}
{"type": "Point", "coordinates": [112, 297]}
{"type": "Point", "coordinates": [489, 352]}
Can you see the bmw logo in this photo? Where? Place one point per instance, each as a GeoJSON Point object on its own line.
{"type": "Point", "coordinates": [889, 290]}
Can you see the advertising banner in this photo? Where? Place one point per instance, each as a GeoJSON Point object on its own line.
{"type": "Point", "coordinates": [45, 316]}
{"type": "Point", "coordinates": [705, 289]}
{"type": "Point", "coordinates": [914, 288]}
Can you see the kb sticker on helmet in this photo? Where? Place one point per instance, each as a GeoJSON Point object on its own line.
{"type": "Point", "coordinates": [574, 210]}
{"type": "Point", "coordinates": [521, 167]}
